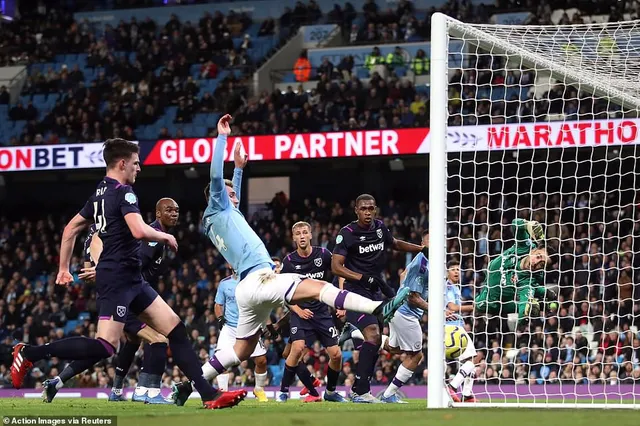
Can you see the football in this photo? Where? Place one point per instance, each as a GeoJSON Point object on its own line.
{"type": "Point", "coordinates": [455, 341]}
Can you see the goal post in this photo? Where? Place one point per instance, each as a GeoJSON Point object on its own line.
{"type": "Point", "coordinates": [538, 123]}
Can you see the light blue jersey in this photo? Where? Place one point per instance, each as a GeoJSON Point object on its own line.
{"type": "Point", "coordinates": [226, 227]}
{"type": "Point", "coordinates": [226, 296]}
{"type": "Point", "coordinates": [417, 279]}
{"type": "Point", "coordinates": [453, 295]}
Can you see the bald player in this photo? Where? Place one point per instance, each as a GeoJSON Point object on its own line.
{"type": "Point", "coordinates": [155, 349]}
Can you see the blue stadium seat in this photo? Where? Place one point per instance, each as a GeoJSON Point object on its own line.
{"type": "Point", "coordinates": [276, 373]}
{"type": "Point", "coordinates": [400, 71]}
{"type": "Point", "coordinates": [289, 78]}
{"type": "Point", "coordinates": [70, 326]}
{"type": "Point", "coordinates": [362, 72]}
{"type": "Point", "coordinates": [83, 316]}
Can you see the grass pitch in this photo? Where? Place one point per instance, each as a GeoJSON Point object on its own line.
{"type": "Point", "coordinates": [251, 413]}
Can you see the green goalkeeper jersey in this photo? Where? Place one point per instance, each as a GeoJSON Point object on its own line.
{"type": "Point", "coordinates": [505, 271]}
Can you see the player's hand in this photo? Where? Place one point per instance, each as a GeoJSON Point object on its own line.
{"type": "Point", "coordinates": [371, 281]}
{"type": "Point", "coordinates": [535, 230]}
{"type": "Point", "coordinates": [64, 278]}
{"type": "Point", "coordinates": [171, 242]}
{"type": "Point", "coordinates": [271, 332]}
{"type": "Point", "coordinates": [239, 159]}
{"type": "Point", "coordinates": [223, 125]}
{"type": "Point", "coordinates": [449, 315]}
{"type": "Point", "coordinates": [220, 321]}
{"type": "Point", "coordinates": [341, 313]}
{"type": "Point", "coordinates": [305, 314]}
{"type": "Point", "coordinates": [88, 274]}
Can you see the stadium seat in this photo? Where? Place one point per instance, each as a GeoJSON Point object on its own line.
{"type": "Point", "coordinates": [84, 316]}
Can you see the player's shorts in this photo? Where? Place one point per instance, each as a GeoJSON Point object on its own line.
{"type": "Point", "coordinates": [122, 291]}
{"type": "Point", "coordinates": [227, 339]}
{"type": "Point", "coordinates": [405, 333]}
{"type": "Point", "coordinates": [315, 329]}
{"type": "Point", "coordinates": [258, 294]}
{"type": "Point", "coordinates": [362, 321]}
{"type": "Point", "coordinates": [133, 325]}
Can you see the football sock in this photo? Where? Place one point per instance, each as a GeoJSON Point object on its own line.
{"type": "Point", "coordinates": [261, 380]}
{"type": "Point", "coordinates": [287, 378]}
{"type": "Point", "coordinates": [74, 368]}
{"type": "Point", "coordinates": [467, 387]}
{"type": "Point", "coordinates": [402, 376]}
{"type": "Point", "coordinates": [72, 348]}
{"type": "Point", "coordinates": [342, 299]}
{"type": "Point", "coordinates": [464, 371]}
{"type": "Point", "coordinates": [223, 381]}
{"type": "Point", "coordinates": [219, 363]}
{"type": "Point", "coordinates": [187, 360]}
{"type": "Point", "coordinates": [155, 358]}
{"type": "Point", "coordinates": [332, 379]}
{"type": "Point", "coordinates": [306, 379]}
{"type": "Point", "coordinates": [125, 357]}
{"type": "Point", "coordinates": [364, 369]}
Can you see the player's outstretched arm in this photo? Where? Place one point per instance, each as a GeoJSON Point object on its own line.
{"type": "Point", "coordinates": [217, 164]}
{"type": "Point", "coordinates": [142, 231]}
{"type": "Point", "coordinates": [527, 229]}
{"type": "Point", "coordinates": [410, 247]}
{"type": "Point", "coordinates": [240, 161]}
{"type": "Point", "coordinates": [69, 235]}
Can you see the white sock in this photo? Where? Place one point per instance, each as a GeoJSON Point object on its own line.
{"type": "Point", "coordinates": [59, 384]}
{"type": "Point", "coordinates": [141, 390]}
{"type": "Point", "coordinates": [223, 381]}
{"type": "Point", "coordinates": [351, 301]}
{"type": "Point", "coordinates": [402, 376]}
{"type": "Point", "coordinates": [384, 339]}
{"type": "Point", "coordinates": [465, 371]}
{"type": "Point", "coordinates": [224, 359]}
{"type": "Point", "coordinates": [152, 392]}
{"type": "Point", "coordinates": [261, 380]}
{"type": "Point", "coordinates": [467, 388]}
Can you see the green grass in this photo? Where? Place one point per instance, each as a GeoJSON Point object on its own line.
{"type": "Point", "coordinates": [250, 413]}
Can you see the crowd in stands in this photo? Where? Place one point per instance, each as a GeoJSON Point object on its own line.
{"type": "Point", "coordinates": [592, 336]}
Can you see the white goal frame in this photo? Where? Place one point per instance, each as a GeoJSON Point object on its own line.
{"type": "Point", "coordinates": [443, 28]}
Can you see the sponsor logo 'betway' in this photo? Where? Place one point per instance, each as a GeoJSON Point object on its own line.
{"type": "Point", "coordinates": [315, 275]}
{"type": "Point", "coordinates": [370, 248]}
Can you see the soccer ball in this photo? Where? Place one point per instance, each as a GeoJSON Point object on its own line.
{"type": "Point", "coordinates": [455, 341]}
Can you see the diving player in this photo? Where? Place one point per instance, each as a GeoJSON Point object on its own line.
{"type": "Point", "coordinates": [260, 289]}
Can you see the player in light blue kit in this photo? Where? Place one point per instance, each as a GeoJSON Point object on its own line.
{"type": "Point", "coordinates": [405, 332]}
{"type": "Point", "coordinates": [453, 304]}
{"type": "Point", "coordinates": [226, 311]}
{"type": "Point", "coordinates": [260, 289]}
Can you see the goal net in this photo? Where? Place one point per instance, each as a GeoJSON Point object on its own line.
{"type": "Point", "coordinates": [538, 124]}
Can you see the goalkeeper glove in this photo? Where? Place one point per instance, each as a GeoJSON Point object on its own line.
{"type": "Point", "coordinates": [532, 309]}
{"type": "Point", "coordinates": [535, 231]}
{"type": "Point", "coordinates": [220, 321]}
{"type": "Point", "coordinates": [550, 295]}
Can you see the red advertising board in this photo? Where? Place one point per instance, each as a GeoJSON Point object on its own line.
{"type": "Point", "coordinates": [294, 146]}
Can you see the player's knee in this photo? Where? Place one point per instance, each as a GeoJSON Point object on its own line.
{"type": "Point", "coordinates": [297, 347]}
{"type": "Point", "coordinates": [335, 354]}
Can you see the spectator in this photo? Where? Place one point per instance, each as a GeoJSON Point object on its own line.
{"type": "Point", "coordinates": [302, 67]}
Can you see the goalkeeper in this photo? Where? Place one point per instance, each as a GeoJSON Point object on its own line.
{"type": "Point", "coordinates": [515, 280]}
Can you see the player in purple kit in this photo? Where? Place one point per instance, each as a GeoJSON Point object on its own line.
{"type": "Point", "coordinates": [359, 257]}
{"type": "Point", "coordinates": [155, 350]}
{"type": "Point", "coordinates": [113, 207]}
{"type": "Point", "coordinates": [310, 321]}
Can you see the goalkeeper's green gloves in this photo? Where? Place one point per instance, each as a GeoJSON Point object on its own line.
{"type": "Point", "coordinates": [535, 231]}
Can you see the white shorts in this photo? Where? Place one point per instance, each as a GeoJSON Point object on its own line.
{"type": "Point", "coordinates": [227, 339]}
{"type": "Point", "coordinates": [470, 351]}
{"type": "Point", "coordinates": [405, 333]}
{"type": "Point", "coordinates": [258, 294]}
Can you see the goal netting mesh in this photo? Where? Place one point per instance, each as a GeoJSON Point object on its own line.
{"type": "Point", "coordinates": [543, 126]}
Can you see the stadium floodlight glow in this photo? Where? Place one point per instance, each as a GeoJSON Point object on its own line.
{"type": "Point", "coordinates": [557, 98]}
